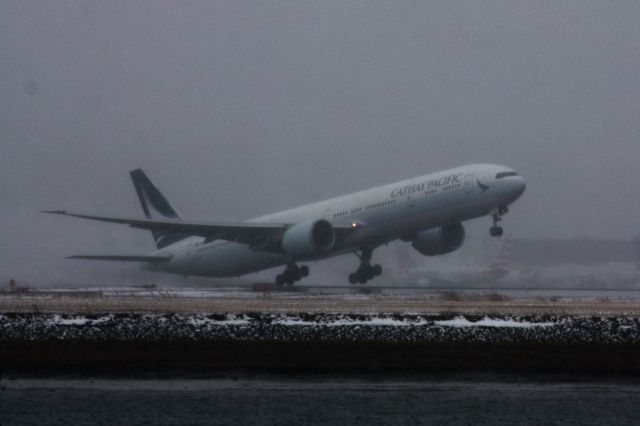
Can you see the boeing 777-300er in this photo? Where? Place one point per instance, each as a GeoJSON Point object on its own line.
{"type": "Point", "coordinates": [426, 211]}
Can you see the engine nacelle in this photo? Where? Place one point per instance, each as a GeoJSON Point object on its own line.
{"type": "Point", "coordinates": [433, 242]}
{"type": "Point", "coordinates": [308, 238]}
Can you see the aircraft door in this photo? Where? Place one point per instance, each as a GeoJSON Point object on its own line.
{"type": "Point", "coordinates": [468, 183]}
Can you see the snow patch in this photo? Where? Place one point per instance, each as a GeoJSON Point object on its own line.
{"type": "Point", "coordinates": [490, 322]}
{"type": "Point", "coordinates": [78, 320]}
{"type": "Point", "coordinates": [58, 320]}
{"type": "Point", "coordinates": [375, 321]}
{"type": "Point", "coordinates": [229, 320]}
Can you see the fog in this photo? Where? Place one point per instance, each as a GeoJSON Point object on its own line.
{"type": "Point", "coordinates": [238, 109]}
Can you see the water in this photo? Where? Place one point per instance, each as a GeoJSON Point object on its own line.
{"type": "Point", "coordinates": [316, 402]}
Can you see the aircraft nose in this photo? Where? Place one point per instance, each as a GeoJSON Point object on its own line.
{"type": "Point", "coordinates": [519, 185]}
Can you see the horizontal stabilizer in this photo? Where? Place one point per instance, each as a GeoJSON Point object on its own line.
{"type": "Point", "coordinates": [148, 259]}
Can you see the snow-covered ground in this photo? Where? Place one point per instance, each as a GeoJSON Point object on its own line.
{"type": "Point", "coordinates": [320, 327]}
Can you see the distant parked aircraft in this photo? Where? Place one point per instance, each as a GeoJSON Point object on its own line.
{"type": "Point", "coordinates": [464, 275]}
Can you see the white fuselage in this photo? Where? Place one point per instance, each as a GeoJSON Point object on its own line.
{"type": "Point", "coordinates": [382, 214]}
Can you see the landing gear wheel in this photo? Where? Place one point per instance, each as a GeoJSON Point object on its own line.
{"type": "Point", "coordinates": [304, 271]}
{"type": "Point", "coordinates": [365, 272]}
{"type": "Point", "coordinates": [377, 270]}
{"type": "Point", "coordinates": [496, 231]}
{"type": "Point", "coordinates": [292, 274]}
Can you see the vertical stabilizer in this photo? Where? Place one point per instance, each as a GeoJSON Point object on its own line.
{"type": "Point", "coordinates": [155, 205]}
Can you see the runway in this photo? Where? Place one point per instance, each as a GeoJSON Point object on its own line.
{"type": "Point", "coordinates": [202, 300]}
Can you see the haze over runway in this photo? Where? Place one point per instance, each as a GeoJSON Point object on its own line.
{"type": "Point", "coordinates": [243, 109]}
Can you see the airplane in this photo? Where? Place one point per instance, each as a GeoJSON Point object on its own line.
{"type": "Point", "coordinates": [426, 211]}
{"type": "Point", "coordinates": [464, 275]}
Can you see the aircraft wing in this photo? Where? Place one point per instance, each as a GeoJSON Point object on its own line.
{"type": "Point", "coordinates": [260, 236]}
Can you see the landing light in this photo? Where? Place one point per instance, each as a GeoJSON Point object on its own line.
{"type": "Point", "coordinates": [354, 225]}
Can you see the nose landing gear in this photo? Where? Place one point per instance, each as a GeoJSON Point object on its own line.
{"type": "Point", "coordinates": [292, 274]}
{"type": "Point", "coordinates": [366, 271]}
{"type": "Point", "coordinates": [497, 231]}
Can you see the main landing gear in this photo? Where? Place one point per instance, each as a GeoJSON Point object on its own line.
{"type": "Point", "coordinates": [292, 274]}
{"type": "Point", "coordinates": [497, 231]}
{"type": "Point", "coordinates": [365, 272]}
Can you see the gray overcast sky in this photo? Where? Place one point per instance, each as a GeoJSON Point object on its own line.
{"type": "Point", "coordinates": [237, 109]}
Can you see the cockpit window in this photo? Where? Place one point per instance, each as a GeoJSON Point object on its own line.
{"type": "Point", "coordinates": [505, 174]}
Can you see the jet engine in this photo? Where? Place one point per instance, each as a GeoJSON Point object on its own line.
{"type": "Point", "coordinates": [436, 241]}
{"type": "Point", "coordinates": [308, 238]}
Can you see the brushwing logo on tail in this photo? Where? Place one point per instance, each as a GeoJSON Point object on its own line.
{"type": "Point", "coordinates": [155, 204]}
